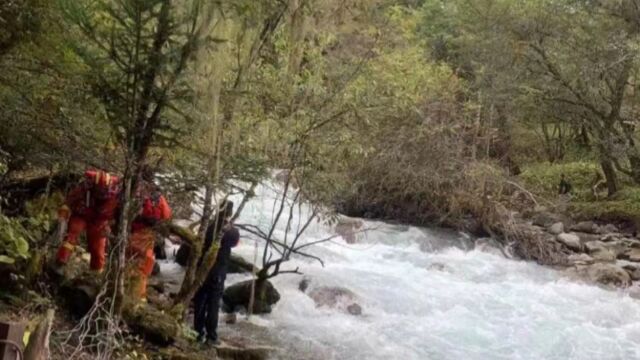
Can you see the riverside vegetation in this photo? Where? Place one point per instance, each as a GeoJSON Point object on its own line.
{"type": "Point", "coordinates": [455, 113]}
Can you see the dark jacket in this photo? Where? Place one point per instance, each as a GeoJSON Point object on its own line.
{"type": "Point", "coordinates": [230, 239]}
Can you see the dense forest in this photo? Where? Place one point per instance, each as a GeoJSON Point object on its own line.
{"type": "Point", "coordinates": [430, 112]}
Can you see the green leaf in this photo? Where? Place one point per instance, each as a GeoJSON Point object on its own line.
{"type": "Point", "coordinates": [6, 260]}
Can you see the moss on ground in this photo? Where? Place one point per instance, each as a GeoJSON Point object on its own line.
{"type": "Point", "coordinates": [543, 178]}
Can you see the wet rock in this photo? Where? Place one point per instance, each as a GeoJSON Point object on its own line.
{"type": "Point", "coordinates": [159, 251]}
{"type": "Point", "coordinates": [238, 295]}
{"type": "Point", "coordinates": [336, 297]}
{"type": "Point", "coordinates": [557, 228]}
{"type": "Point", "coordinates": [631, 255]}
{"type": "Point", "coordinates": [593, 246]}
{"type": "Point", "coordinates": [238, 265]}
{"type": "Point", "coordinates": [610, 237]}
{"type": "Point", "coordinates": [608, 274]}
{"type": "Point", "coordinates": [437, 267]}
{"type": "Point", "coordinates": [609, 228]}
{"type": "Point", "coordinates": [354, 309]}
{"type": "Point", "coordinates": [347, 228]}
{"type": "Point", "coordinates": [156, 269]}
{"type": "Point", "coordinates": [585, 238]}
{"type": "Point", "coordinates": [572, 241]}
{"type": "Point", "coordinates": [588, 227]}
{"type": "Point", "coordinates": [182, 255]}
{"type": "Point", "coordinates": [545, 219]}
{"type": "Point", "coordinates": [489, 245]}
{"type": "Point", "coordinates": [603, 255]}
{"type": "Point", "coordinates": [303, 285]}
{"type": "Point", "coordinates": [634, 272]}
{"type": "Point", "coordinates": [580, 259]}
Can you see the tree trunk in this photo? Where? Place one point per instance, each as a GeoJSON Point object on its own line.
{"type": "Point", "coordinates": [38, 346]}
{"type": "Point", "coordinates": [610, 176]}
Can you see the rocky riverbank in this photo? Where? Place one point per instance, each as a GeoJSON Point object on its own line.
{"type": "Point", "coordinates": [596, 252]}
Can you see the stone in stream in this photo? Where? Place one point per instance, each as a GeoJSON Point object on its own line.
{"type": "Point", "coordinates": [572, 241]}
{"type": "Point", "coordinates": [336, 297]}
{"type": "Point", "coordinates": [557, 228]}
{"type": "Point", "coordinates": [347, 228]}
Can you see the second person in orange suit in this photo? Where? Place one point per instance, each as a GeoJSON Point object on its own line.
{"type": "Point", "coordinates": [155, 209]}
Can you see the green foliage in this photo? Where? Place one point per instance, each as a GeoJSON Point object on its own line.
{"type": "Point", "coordinates": [625, 206]}
{"type": "Point", "coordinates": [543, 178]}
{"type": "Point", "coordinates": [14, 240]}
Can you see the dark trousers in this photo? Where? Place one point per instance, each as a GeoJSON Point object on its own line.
{"type": "Point", "coordinates": [206, 308]}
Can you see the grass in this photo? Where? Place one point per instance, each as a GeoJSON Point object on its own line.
{"type": "Point", "coordinates": [542, 179]}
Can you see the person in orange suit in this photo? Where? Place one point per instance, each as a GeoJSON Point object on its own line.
{"type": "Point", "coordinates": [90, 207]}
{"type": "Point", "coordinates": [155, 209]}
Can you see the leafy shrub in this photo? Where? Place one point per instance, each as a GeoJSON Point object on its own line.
{"type": "Point", "coordinates": [14, 240]}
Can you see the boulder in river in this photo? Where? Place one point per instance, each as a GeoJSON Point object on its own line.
{"type": "Point", "coordinates": [237, 296]}
{"type": "Point", "coordinates": [570, 240]}
{"type": "Point", "coordinates": [347, 228]}
{"type": "Point", "coordinates": [336, 297]}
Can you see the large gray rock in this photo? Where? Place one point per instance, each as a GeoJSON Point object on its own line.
{"type": "Point", "coordinates": [557, 228]}
{"type": "Point", "coordinates": [588, 227]}
{"type": "Point", "coordinates": [572, 241]}
{"type": "Point", "coordinates": [608, 274]}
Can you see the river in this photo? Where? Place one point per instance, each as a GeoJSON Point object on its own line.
{"type": "Point", "coordinates": [427, 294]}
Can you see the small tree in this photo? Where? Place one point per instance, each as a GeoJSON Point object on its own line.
{"type": "Point", "coordinates": [137, 52]}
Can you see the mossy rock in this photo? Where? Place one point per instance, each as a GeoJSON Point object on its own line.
{"type": "Point", "coordinates": [151, 324]}
{"type": "Point", "coordinates": [238, 295]}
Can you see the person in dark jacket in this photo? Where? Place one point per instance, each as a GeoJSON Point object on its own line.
{"type": "Point", "coordinates": [207, 299]}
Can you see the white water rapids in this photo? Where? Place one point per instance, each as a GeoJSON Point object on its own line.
{"type": "Point", "coordinates": [477, 306]}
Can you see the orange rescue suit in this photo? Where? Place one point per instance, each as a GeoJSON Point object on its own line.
{"type": "Point", "coordinates": [155, 209]}
{"type": "Point", "coordinates": [90, 207]}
